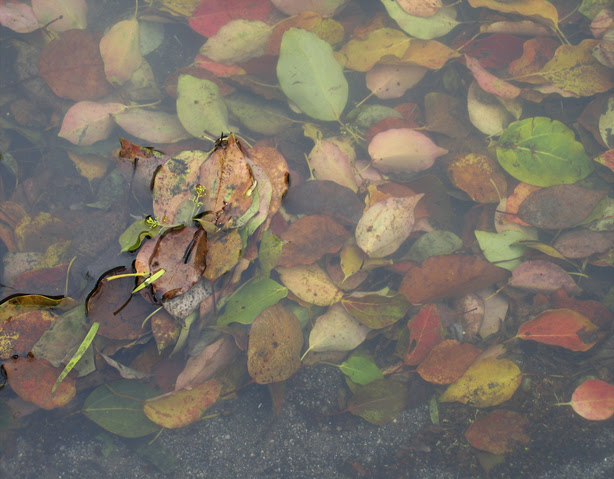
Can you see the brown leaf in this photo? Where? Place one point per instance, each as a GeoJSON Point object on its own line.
{"type": "Point", "coordinates": [479, 176]}
{"type": "Point", "coordinates": [207, 363]}
{"type": "Point", "coordinates": [309, 238]}
{"type": "Point", "coordinates": [498, 432]}
{"type": "Point", "coordinates": [447, 361]}
{"type": "Point", "coordinates": [275, 342]}
{"type": "Point", "coordinates": [274, 165]}
{"type": "Point", "coordinates": [225, 248]}
{"type": "Point", "coordinates": [560, 206]}
{"type": "Point", "coordinates": [448, 276]}
{"type": "Point", "coordinates": [21, 330]}
{"type": "Point", "coordinates": [584, 243]}
{"type": "Point", "coordinates": [72, 66]}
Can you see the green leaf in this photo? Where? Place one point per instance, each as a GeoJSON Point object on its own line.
{"type": "Point", "coordinates": [500, 248]}
{"type": "Point", "coordinates": [245, 304]}
{"type": "Point", "coordinates": [376, 310]}
{"type": "Point", "coordinates": [132, 238]}
{"type": "Point", "coordinates": [361, 370]}
{"type": "Point", "coordinates": [118, 407]}
{"type": "Point", "coordinates": [89, 337]}
{"type": "Point", "coordinates": [310, 76]}
{"type": "Point", "coordinates": [542, 152]}
{"type": "Point", "coordinates": [200, 107]}
{"type": "Point", "coordinates": [269, 253]}
{"type": "Point", "coordinates": [425, 28]}
{"type": "Point", "coordinates": [379, 402]}
{"type": "Point", "coordinates": [258, 114]}
{"type": "Point", "coordinates": [434, 243]}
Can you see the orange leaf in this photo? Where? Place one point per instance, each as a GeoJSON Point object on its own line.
{"type": "Point", "coordinates": [447, 361]}
{"type": "Point", "coordinates": [594, 399]}
{"type": "Point", "coordinates": [561, 327]}
{"type": "Point", "coordinates": [32, 380]}
{"type": "Point", "coordinates": [479, 176]}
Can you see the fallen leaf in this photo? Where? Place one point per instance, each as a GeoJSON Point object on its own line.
{"type": "Point", "coordinates": [487, 382]}
{"type": "Point", "coordinates": [180, 408]}
{"type": "Point", "coordinates": [540, 9]}
{"type": "Point", "coordinates": [489, 82]}
{"type": "Point", "coordinates": [211, 15]}
{"type": "Point", "coordinates": [203, 366]}
{"type": "Point", "coordinates": [323, 7]}
{"type": "Point", "coordinates": [200, 107]}
{"type": "Point", "coordinates": [237, 41]}
{"type": "Point", "coordinates": [310, 283]}
{"type": "Point", "coordinates": [336, 330]}
{"type": "Point", "coordinates": [19, 17]}
{"type": "Point", "coordinates": [61, 15]}
{"type": "Point", "coordinates": [379, 402]}
{"type": "Point", "coordinates": [274, 349]}
{"type": "Point", "coordinates": [425, 332]}
{"type": "Point", "coordinates": [153, 126]}
{"type": "Point", "coordinates": [499, 431]}
{"type": "Point", "coordinates": [426, 28]}
{"type": "Point", "coordinates": [447, 361]}
{"type": "Point", "coordinates": [561, 327]}
{"type": "Point", "coordinates": [120, 51]}
{"type": "Point", "coordinates": [376, 310]}
{"type": "Point", "coordinates": [87, 122]}
{"type": "Point", "coordinates": [594, 400]}
{"type": "Point", "coordinates": [478, 176]}
{"type": "Point", "coordinates": [253, 297]}
{"type": "Point", "coordinates": [543, 276]}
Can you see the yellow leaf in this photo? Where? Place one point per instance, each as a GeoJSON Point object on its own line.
{"type": "Point", "coordinates": [362, 55]}
{"type": "Point", "coordinates": [574, 69]}
{"type": "Point", "coordinates": [310, 283]}
{"type": "Point", "coordinates": [540, 10]}
{"type": "Point", "coordinates": [120, 51]}
{"type": "Point", "coordinates": [486, 383]}
{"type": "Point", "coordinates": [90, 166]}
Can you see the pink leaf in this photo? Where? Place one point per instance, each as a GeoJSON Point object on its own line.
{"type": "Point", "coordinates": [403, 150]}
{"type": "Point", "coordinates": [87, 122]}
{"type": "Point", "coordinates": [392, 81]}
{"type": "Point", "coordinates": [543, 277]}
{"type": "Point", "coordinates": [152, 126]}
{"type": "Point", "coordinates": [211, 15]}
{"type": "Point", "coordinates": [61, 15]}
{"type": "Point", "coordinates": [19, 17]}
{"type": "Point", "coordinates": [490, 83]}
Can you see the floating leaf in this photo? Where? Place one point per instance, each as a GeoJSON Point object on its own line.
{"type": "Point", "coordinates": [447, 361]}
{"type": "Point", "coordinates": [376, 310]}
{"type": "Point", "coordinates": [559, 207]}
{"type": "Point", "coordinates": [361, 370]}
{"type": "Point", "coordinates": [403, 150]}
{"type": "Point", "coordinates": [180, 408]}
{"type": "Point", "coordinates": [561, 327]}
{"type": "Point", "coordinates": [542, 152]}
{"type": "Point", "coordinates": [275, 342]}
{"type": "Point", "coordinates": [594, 400]}
{"type": "Point", "coordinates": [245, 304]}
{"type": "Point", "coordinates": [200, 107]}
{"type": "Point", "coordinates": [336, 330]}
{"type": "Point", "coordinates": [309, 238]}
{"type": "Point", "coordinates": [448, 276]}
{"type": "Point", "coordinates": [33, 379]}
{"type": "Point", "coordinates": [486, 383]}
{"type": "Point", "coordinates": [318, 89]}
{"type": "Point", "coordinates": [498, 432]}
{"type": "Point", "coordinates": [379, 402]}
{"type": "Point", "coordinates": [310, 283]}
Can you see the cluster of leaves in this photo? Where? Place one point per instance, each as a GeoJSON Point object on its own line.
{"type": "Point", "coordinates": [363, 252]}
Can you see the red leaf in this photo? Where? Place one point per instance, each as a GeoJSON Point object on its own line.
{"type": "Point", "coordinates": [561, 327]}
{"type": "Point", "coordinates": [211, 15]}
{"type": "Point", "coordinates": [448, 361]}
{"type": "Point", "coordinates": [594, 399]}
{"type": "Point", "coordinates": [424, 334]}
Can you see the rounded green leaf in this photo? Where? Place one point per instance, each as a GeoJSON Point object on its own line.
{"type": "Point", "coordinates": [200, 107]}
{"type": "Point", "coordinates": [310, 76]}
{"type": "Point", "coordinates": [246, 303]}
{"type": "Point", "coordinates": [542, 152]}
{"type": "Point", "coordinates": [118, 407]}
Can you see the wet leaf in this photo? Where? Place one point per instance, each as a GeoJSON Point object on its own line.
{"type": "Point", "coordinates": [498, 432]}
{"type": "Point", "coordinates": [425, 331]}
{"type": "Point", "coordinates": [542, 276]}
{"type": "Point", "coordinates": [118, 408]}
{"type": "Point", "coordinates": [153, 126]}
{"type": "Point", "coordinates": [203, 366]}
{"type": "Point", "coordinates": [361, 370]}
{"type": "Point", "coordinates": [309, 238]}
{"type": "Point", "coordinates": [594, 400]}
{"type": "Point", "coordinates": [560, 206]}
{"type": "Point", "coordinates": [182, 254]}
{"type": "Point", "coordinates": [33, 379]}
{"type": "Point", "coordinates": [542, 10]}
{"type": "Point", "coordinates": [448, 276]}
{"type": "Point", "coordinates": [61, 15]}
{"type": "Point", "coordinates": [310, 283]}
{"type": "Point", "coordinates": [487, 114]}
{"type": "Point", "coordinates": [328, 161]}
{"type": "Point", "coordinates": [379, 402]}
{"type": "Point", "coordinates": [165, 330]}
{"type": "Point", "coordinates": [392, 81]}
{"type": "Point", "coordinates": [200, 107]}
{"type": "Point", "coordinates": [478, 176]}
{"type": "Point", "coordinates": [274, 349]}
{"type": "Point", "coordinates": [336, 330]}
{"type": "Point", "coordinates": [403, 150]}
{"type": "Point", "coordinates": [319, 90]}
{"type": "Point", "coordinates": [245, 304]}
{"type": "Point", "coordinates": [119, 313]}
{"type": "Point", "coordinates": [87, 122]}
{"type": "Point", "coordinates": [120, 51]}
{"type": "Point", "coordinates": [421, 8]}
{"type": "Point", "coordinates": [323, 7]}
{"type": "Point", "coordinates": [437, 25]}
{"type": "Point", "coordinates": [542, 152]}
{"type": "Point", "coordinates": [211, 15]}
{"type": "Point", "coordinates": [447, 361]}
{"type": "Point", "coordinates": [561, 327]}
{"type": "Point", "coordinates": [19, 17]}
{"type": "Point", "coordinates": [376, 310]}
{"type": "Point", "coordinates": [180, 408]}
{"type": "Point", "coordinates": [502, 248]}
{"type": "Point", "coordinates": [584, 243]}
{"type": "Point", "coordinates": [72, 66]}
{"type": "Point", "coordinates": [257, 114]}
{"type": "Point", "coordinates": [363, 54]}
{"type": "Point", "coordinates": [486, 383]}
{"type": "Point", "coordinates": [21, 330]}
{"type": "Point", "coordinates": [489, 82]}
{"type": "Point", "coordinates": [223, 253]}
{"type": "Point", "coordinates": [446, 114]}
{"type": "Point", "coordinates": [237, 41]}
{"type": "Point", "coordinates": [435, 243]}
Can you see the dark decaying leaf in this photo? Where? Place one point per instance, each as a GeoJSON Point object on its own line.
{"type": "Point", "coordinates": [380, 401]}
{"type": "Point", "coordinates": [447, 361]}
{"type": "Point", "coordinates": [182, 254]}
{"type": "Point", "coordinates": [498, 432]}
{"type": "Point", "coordinates": [584, 243]}
{"type": "Point", "coordinates": [376, 310]}
{"type": "Point", "coordinates": [558, 207]}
